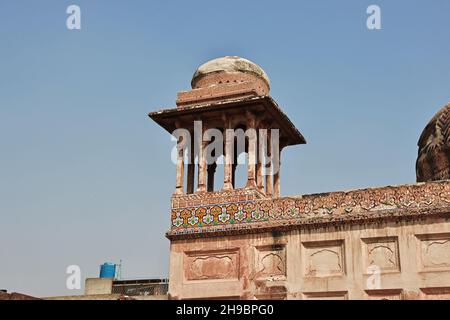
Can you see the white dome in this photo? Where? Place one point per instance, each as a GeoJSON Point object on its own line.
{"type": "Point", "coordinates": [229, 64]}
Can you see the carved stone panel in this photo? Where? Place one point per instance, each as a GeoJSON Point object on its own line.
{"type": "Point", "coordinates": [434, 250]}
{"type": "Point", "coordinates": [382, 253]}
{"type": "Point", "coordinates": [208, 265]}
{"type": "Point", "coordinates": [324, 258]}
{"type": "Point", "coordinates": [271, 262]}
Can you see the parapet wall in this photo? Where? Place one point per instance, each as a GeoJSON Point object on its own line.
{"type": "Point", "coordinates": [241, 211]}
{"type": "Point", "coordinates": [384, 260]}
{"type": "Point", "coordinates": [380, 243]}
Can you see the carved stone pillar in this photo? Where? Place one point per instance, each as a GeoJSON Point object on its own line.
{"type": "Point", "coordinates": [228, 150]}
{"type": "Point", "coordinates": [191, 168]}
{"type": "Point", "coordinates": [269, 180]}
{"type": "Point", "coordinates": [181, 145]}
{"type": "Point", "coordinates": [180, 169]}
{"type": "Point", "coordinates": [252, 141]}
{"type": "Point", "coordinates": [262, 138]}
{"type": "Point", "coordinates": [202, 166]}
{"type": "Point", "coordinates": [276, 176]}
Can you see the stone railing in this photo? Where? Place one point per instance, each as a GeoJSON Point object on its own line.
{"type": "Point", "coordinates": [242, 212]}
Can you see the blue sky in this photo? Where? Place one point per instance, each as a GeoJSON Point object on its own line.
{"type": "Point", "coordinates": [86, 176]}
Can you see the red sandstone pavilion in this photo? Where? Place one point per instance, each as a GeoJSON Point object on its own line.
{"type": "Point", "coordinates": [251, 243]}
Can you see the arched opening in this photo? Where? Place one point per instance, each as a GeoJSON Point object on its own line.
{"type": "Point", "coordinates": [214, 157]}
{"type": "Point", "coordinates": [240, 158]}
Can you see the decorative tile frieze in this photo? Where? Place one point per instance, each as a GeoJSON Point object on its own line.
{"type": "Point", "coordinates": [242, 214]}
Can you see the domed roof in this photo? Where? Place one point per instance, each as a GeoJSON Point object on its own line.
{"type": "Point", "coordinates": [433, 160]}
{"type": "Point", "coordinates": [230, 65]}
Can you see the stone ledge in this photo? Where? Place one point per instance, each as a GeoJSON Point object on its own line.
{"type": "Point", "coordinates": [217, 197]}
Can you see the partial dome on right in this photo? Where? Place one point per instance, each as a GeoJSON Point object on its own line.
{"type": "Point", "coordinates": [433, 160]}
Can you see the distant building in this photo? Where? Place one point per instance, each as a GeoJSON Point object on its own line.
{"type": "Point", "coordinates": [113, 289]}
{"type": "Point", "coordinates": [4, 295]}
{"type": "Point", "coordinates": [251, 243]}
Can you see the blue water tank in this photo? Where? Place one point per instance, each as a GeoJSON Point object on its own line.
{"type": "Point", "coordinates": [108, 270]}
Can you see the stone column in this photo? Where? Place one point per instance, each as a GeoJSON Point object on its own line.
{"type": "Point", "coordinates": [191, 167]}
{"type": "Point", "coordinates": [262, 138]}
{"type": "Point", "coordinates": [228, 150]}
{"type": "Point", "coordinates": [252, 140]}
{"type": "Point", "coordinates": [202, 166]}
{"type": "Point", "coordinates": [269, 180]}
{"type": "Point", "coordinates": [180, 170]}
{"type": "Point", "coordinates": [181, 144]}
{"type": "Point", "coordinates": [276, 176]}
